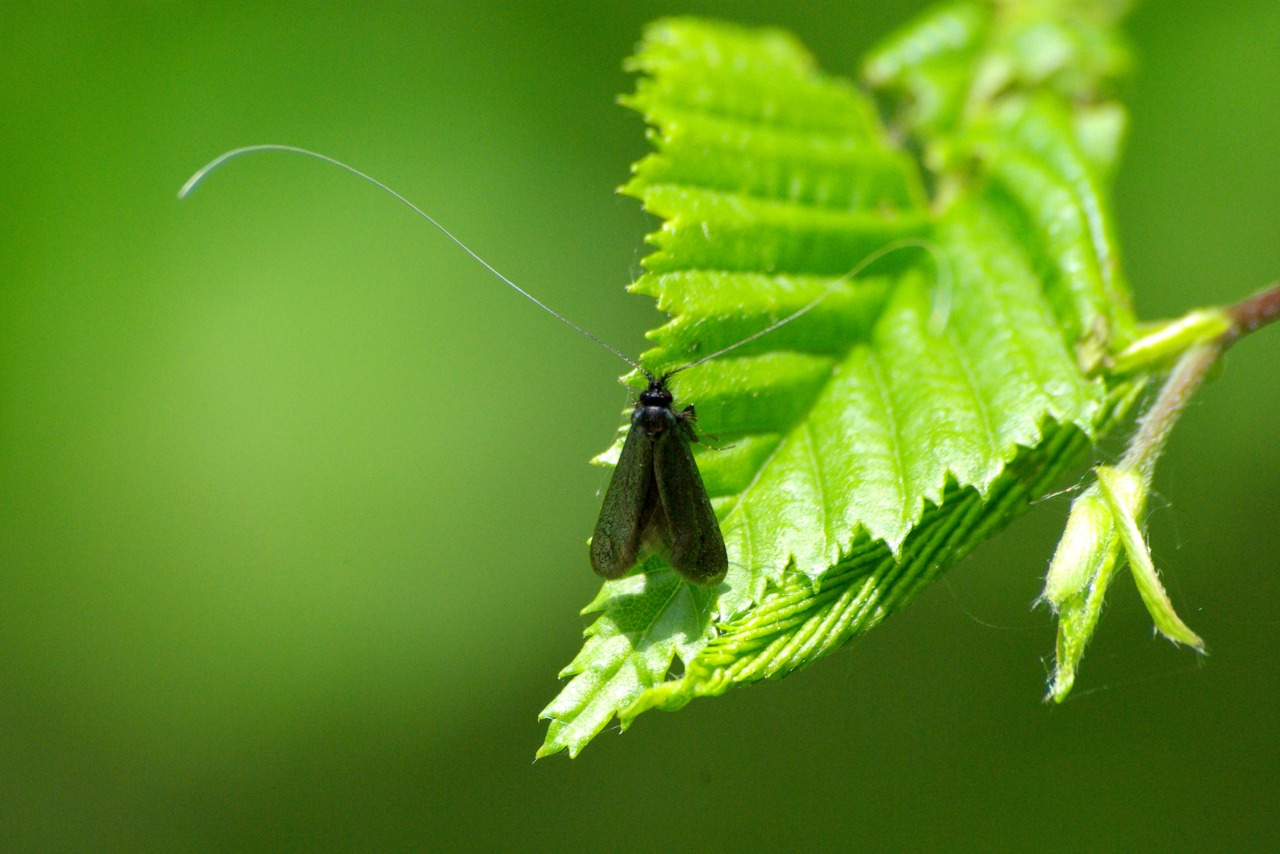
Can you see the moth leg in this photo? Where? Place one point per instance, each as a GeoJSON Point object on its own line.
{"type": "Point", "coordinates": [689, 422]}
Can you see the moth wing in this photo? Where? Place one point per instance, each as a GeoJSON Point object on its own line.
{"type": "Point", "coordinates": [628, 504]}
{"type": "Point", "coordinates": [697, 548]}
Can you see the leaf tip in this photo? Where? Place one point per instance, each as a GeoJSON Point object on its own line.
{"type": "Point", "coordinates": [1064, 679]}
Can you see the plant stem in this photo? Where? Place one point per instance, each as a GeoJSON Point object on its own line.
{"type": "Point", "coordinates": [1253, 313]}
{"type": "Point", "coordinates": [1189, 372]}
{"type": "Point", "coordinates": [1154, 426]}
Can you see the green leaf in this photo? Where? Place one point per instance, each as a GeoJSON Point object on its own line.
{"type": "Point", "coordinates": [800, 620]}
{"type": "Point", "coordinates": [926, 401]}
{"type": "Point", "coordinates": [1126, 496]}
{"type": "Point", "coordinates": [647, 620]}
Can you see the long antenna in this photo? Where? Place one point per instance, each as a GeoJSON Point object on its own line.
{"type": "Point", "coordinates": [204, 171]}
{"type": "Point", "coordinates": [942, 303]}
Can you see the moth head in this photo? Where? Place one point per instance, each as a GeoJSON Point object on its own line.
{"type": "Point", "coordinates": [657, 394]}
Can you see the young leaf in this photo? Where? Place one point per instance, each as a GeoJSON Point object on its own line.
{"type": "Point", "coordinates": [929, 399]}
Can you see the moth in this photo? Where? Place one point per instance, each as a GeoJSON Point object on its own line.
{"type": "Point", "coordinates": [656, 499]}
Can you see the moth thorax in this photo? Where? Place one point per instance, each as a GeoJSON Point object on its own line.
{"type": "Point", "coordinates": [653, 419]}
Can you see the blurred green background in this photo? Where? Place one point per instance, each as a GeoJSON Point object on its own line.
{"type": "Point", "coordinates": [293, 496]}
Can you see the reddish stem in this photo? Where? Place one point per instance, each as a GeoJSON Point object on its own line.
{"type": "Point", "coordinates": [1254, 312]}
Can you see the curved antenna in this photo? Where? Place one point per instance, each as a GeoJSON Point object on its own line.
{"type": "Point", "coordinates": [937, 318]}
{"type": "Point", "coordinates": [203, 172]}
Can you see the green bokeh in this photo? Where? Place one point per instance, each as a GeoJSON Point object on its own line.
{"type": "Point", "coordinates": [293, 497]}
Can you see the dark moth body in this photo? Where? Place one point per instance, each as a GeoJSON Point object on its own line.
{"type": "Point", "coordinates": [656, 500]}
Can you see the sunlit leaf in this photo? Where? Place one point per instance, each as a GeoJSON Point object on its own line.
{"type": "Point", "coordinates": [930, 398]}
